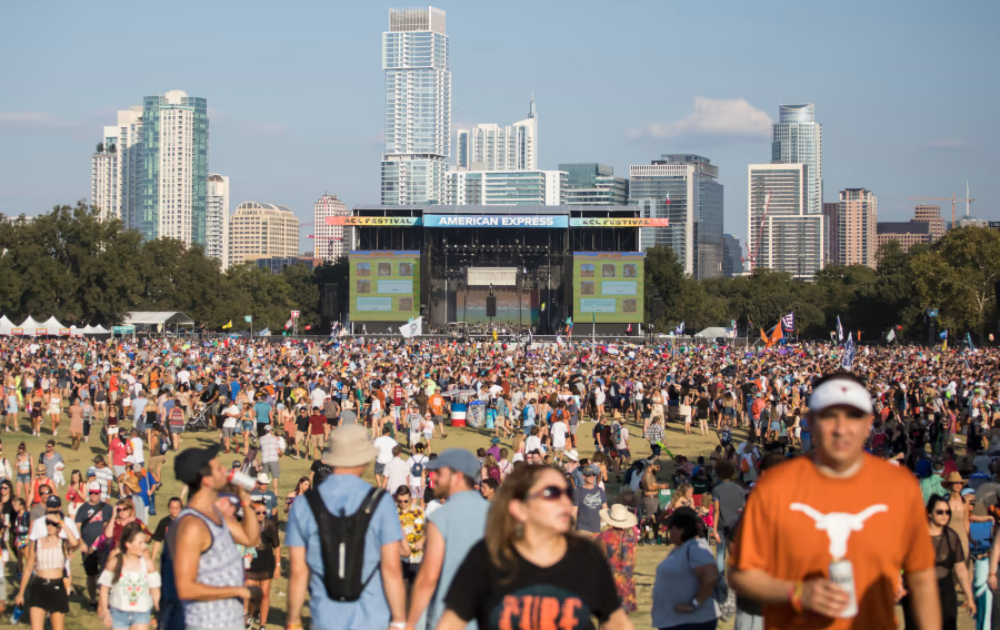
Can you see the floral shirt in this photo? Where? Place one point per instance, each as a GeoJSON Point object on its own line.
{"type": "Point", "coordinates": [131, 591]}
{"type": "Point", "coordinates": [619, 547]}
{"type": "Point", "coordinates": [412, 522]}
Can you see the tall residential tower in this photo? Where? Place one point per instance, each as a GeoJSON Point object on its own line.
{"type": "Point", "coordinates": [783, 236]}
{"type": "Point", "coordinates": [116, 167]}
{"type": "Point", "coordinates": [332, 241]}
{"type": "Point", "coordinates": [857, 228]}
{"type": "Point", "coordinates": [417, 107]}
{"type": "Point", "coordinates": [490, 147]}
{"type": "Point", "coordinates": [798, 139]}
{"type": "Point", "coordinates": [217, 219]}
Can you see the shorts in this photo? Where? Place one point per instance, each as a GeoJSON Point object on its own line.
{"type": "Point", "coordinates": [49, 595]}
{"type": "Point", "coordinates": [119, 471]}
{"type": "Point", "coordinates": [173, 429]}
{"type": "Point", "coordinates": [23, 477]}
{"type": "Point", "coordinates": [379, 468]}
{"type": "Point", "coordinates": [438, 419]}
{"type": "Point", "coordinates": [776, 426]}
{"type": "Point", "coordinates": [227, 432]}
{"type": "Point", "coordinates": [572, 429]}
{"type": "Point", "coordinates": [300, 437]}
{"type": "Point", "coordinates": [316, 439]}
{"type": "Point", "coordinates": [247, 426]}
{"type": "Point", "coordinates": [123, 619]}
{"type": "Point", "coordinates": [624, 453]}
{"type": "Point", "coordinates": [92, 564]}
{"type": "Point", "coordinates": [271, 468]}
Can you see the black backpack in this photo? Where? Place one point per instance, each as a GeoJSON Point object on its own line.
{"type": "Point", "coordinates": [342, 544]}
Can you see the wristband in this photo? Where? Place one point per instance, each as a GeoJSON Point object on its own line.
{"type": "Point", "coordinates": [398, 624]}
{"type": "Point", "coordinates": [795, 597]}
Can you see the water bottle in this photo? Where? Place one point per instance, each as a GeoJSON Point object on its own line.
{"type": "Point", "coordinates": [242, 480]}
{"type": "Point", "coordinates": [15, 617]}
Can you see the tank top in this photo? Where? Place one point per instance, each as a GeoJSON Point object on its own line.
{"type": "Point", "coordinates": [49, 558]}
{"type": "Point", "coordinates": [220, 565]}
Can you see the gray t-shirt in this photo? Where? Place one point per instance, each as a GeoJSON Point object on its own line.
{"type": "Point", "coordinates": [731, 500]}
{"type": "Point", "coordinates": [588, 503]}
{"type": "Point", "coordinates": [348, 416]}
{"type": "Point", "coordinates": [50, 464]}
{"type": "Point", "coordinates": [676, 584]}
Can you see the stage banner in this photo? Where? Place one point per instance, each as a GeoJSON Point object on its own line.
{"type": "Point", "coordinates": [608, 287]}
{"type": "Point", "coordinates": [495, 221]}
{"type": "Point", "coordinates": [513, 307]}
{"type": "Point", "coordinates": [374, 221]}
{"type": "Point", "coordinates": [495, 276]}
{"type": "Point", "coordinates": [615, 222]}
{"type": "Point", "coordinates": [384, 285]}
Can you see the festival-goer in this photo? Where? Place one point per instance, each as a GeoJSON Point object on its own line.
{"type": "Point", "coordinates": [130, 584]}
{"type": "Point", "coordinates": [265, 565]}
{"type": "Point", "coordinates": [619, 542]}
{"type": "Point", "coordinates": [45, 570]}
{"type": "Point", "coordinates": [682, 592]}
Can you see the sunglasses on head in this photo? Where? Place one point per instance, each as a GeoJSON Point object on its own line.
{"type": "Point", "coordinates": [553, 493]}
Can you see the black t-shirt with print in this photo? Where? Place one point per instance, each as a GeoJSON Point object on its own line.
{"type": "Point", "coordinates": [566, 595]}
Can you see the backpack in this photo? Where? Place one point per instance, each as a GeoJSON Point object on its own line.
{"type": "Point", "coordinates": [342, 545]}
{"type": "Point", "coordinates": [164, 445]}
{"type": "Point", "coordinates": [494, 473]}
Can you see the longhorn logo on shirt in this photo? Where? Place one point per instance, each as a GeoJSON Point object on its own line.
{"type": "Point", "coordinates": [839, 525]}
{"type": "Point", "coordinates": [541, 607]}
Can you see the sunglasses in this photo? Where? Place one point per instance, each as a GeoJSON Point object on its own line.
{"type": "Point", "coordinates": [260, 513]}
{"type": "Point", "coordinates": [942, 512]}
{"type": "Point", "coordinates": [553, 493]}
{"type": "Point", "coordinates": [44, 493]}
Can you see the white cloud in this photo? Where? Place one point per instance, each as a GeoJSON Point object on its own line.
{"type": "Point", "coordinates": [711, 117]}
{"type": "Point", "coordinates": [946, 143]}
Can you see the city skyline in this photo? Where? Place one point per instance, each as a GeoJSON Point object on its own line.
{"type": "Point", "coordinates": [325, 131]}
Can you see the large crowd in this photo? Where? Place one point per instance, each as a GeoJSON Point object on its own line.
{"type": "Point", "coordinates": [822, 499]}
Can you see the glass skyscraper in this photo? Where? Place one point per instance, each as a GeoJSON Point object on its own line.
{"type": "Point", "coordinates": [798, 139]}
{"type": "Point", "coordinates": [685, 190]}
{"type": "Point", "coordinates": [592, 184]}
{"type": "Point", "coordinates": [417, 107]}
{"type": "Point", "coordinates": [783, 236]}
{"type": "Point", "coordinates": [490, 147]}
{"type": "Point", "coordinates": [174, 171]}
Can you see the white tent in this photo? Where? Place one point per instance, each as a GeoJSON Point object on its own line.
{"type": "Point", "coordinates": [52, 326]}
{"type": "Point", "coordinates": [715, 331]}
{"type": "Point", "coordinates": [5, 325]}
{"type": "Point", "coordinates": [29, 326]}
{"type": "Point", "coordinates": [98, 330]}
{"type": "Point", "coordinates": [153, 319]}
{"type": "Point", "coordinates": [76, 332]}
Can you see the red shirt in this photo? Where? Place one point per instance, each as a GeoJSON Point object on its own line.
{"type": "Point", "coordinates": [317, 424]}
{"type": "Point", "coordinates": [119, 451]}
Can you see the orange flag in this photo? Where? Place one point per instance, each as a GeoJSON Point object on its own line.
{"type": "Point", "coordinates": [763, 337]}
{"type": "Point", "coordinates": [776, 336]}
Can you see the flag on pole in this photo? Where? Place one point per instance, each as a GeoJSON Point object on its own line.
{"type": "Point", "coordinates": [229, 325]}
{"type": "Point", "coordinates": [840, 330]}
{"type": "Point", "coordinates": [763, 337]}
{"type": "Point", "coordinates": [788, 321]}
{"type": "Point", "coordinates": [680, 329]}
{"type": "Point", "coordinates": [850, 351]}
{"type": "Point", "coordinates": [968, 340]}
{"type": "Point", "coordinates": [944, 335]}
{"type": "Point", "coordinates": [494, 334]}
{"type": "Point", "coordinates": [308, 326]}
{"type": "Point", "coordinates": [776, 336]}
{"type": "Point", "coordinates": [289, 324]}
{"type": "Point", "coordinates": [414, 328]}
{"type": "Point", "coordinates": [629, 331]}
{"type": "Point", "coordinates": [668, 199]}
{"type": "Point", "coordinates": [891, 335]}
{"type": "Point", "coordinates": [248, 318]}
{"type": "Point", "coordinates": [732, 323]}
{"type": "Point", "coordinates": [264, 333]}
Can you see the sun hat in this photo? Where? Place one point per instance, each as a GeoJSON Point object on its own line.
{"type": "Point", "coordinates": [572, 455]}
{"type": "Point", "coordinates": [349, 446]}
{"type": "Point", "coordinates": [619, 517]}
{"type": "Point", "coordinates": [954, 477]}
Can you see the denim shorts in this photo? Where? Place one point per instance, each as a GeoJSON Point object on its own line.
{"type": "Point", "coordinates": [124, 619]}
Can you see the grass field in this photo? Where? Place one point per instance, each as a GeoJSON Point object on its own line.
{"type": "Point", "coordinates": [81, 617]}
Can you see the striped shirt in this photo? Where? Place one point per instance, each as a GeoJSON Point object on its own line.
{"type": "Point", "coordinates": [269, 448]}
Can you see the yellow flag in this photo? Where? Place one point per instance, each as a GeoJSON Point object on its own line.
{"type": "Point", "coordinates": [494, 334]}
{"type": "Point", "coordinates": [229, 325]}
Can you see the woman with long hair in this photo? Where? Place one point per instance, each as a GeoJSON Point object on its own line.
{"type": "Point", "coordinates": [24, 474]}
{"type": "Point", "coordinates": [45, 569]}
{"type": "Point", "coordinates": [130, 588]}
{"type": "Point", "coordinates": [300, 488]}
{"type": "Point", "coordinates": [264, 566]}
{"type": "Point", "coordinates": [949, 564]}
{"type": "Point", "coordinates": [530, 560]}
{"type": "Point", "coordinates": [76, 494]}
{"type": "Point", "coordinates": [518, 448]}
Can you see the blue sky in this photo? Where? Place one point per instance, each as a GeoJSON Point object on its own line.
{"type": "Point", "coordinates": [907, 92]}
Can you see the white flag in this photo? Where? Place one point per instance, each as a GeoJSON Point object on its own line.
{"type": "Point", "coordinates": [414, 328]}
{"type": "Point", "coordinates": [891, 335]}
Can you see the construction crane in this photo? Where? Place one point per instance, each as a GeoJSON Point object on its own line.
{"type": "Point", "coordinates": [954, 198]}
{"type": "Point", "coordinates": [760, 232]}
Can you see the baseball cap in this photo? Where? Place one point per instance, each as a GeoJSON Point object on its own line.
{"type": "Point", "coordinates": [457, 459]}
{"type": "Point", "coordinates": [841, 392]}
{"type": "Point", "coordinates": [190, 461]}
{"type": "Point", "coordinates": [589, 471]}
{"type": "Point", "coordinates": [94, 487]}
{"type": "Point", "coordinates": [53, 501]}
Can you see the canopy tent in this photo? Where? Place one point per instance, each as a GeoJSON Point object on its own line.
{"type": "Point", "coordinates": [155, 319]}
{"type": "Point", "coordinates": [52, 324]}
{"type": "Point", "coordinates": [5, 325]}
{"type": "Point", "coordinates": [98, 330]}
{"type": "Point", "coordinates": [715, 331]}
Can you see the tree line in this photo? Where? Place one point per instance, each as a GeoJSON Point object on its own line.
{"type": "Point", "coordinates": [70, 264]}
{"type": "Point", "coordinates": [956, 276]}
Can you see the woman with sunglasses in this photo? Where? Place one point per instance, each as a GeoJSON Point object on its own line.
{"type": "Point", "coordinates": [6, 502]}
{"type": "Point", "coordinates": [411, 519]}
{"type": "Point", "coordinates": [264, 566]}
{"type": "Point", "coordinates": [124, 514]}
{"type": "Point", "coordinates": [130, 588]}
{"type": "Point", "coordinates": [949, 566]}
{"type": "Point", "coordinates": [530, 560]}
{"type": "Point", "coordinates": [23, 463]}
{"type": "Point", "coordinates": [300, 488]}
{"type": "Point", "coordinates": [46, 559]}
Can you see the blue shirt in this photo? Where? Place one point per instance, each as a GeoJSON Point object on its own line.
{"type": "Point", "coordinates": [234, 389]}
{"type": "Point", "coordinates": [462, 523]}
{"type": "Point", "coordinates": [343, 494]}
{"type": "Point", "coordinates": [263, 411]}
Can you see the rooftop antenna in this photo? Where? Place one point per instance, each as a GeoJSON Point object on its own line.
{"type": "Point", "coordinates": [968, 199]}
{"type": "Point", "coordinates": [531, 108]}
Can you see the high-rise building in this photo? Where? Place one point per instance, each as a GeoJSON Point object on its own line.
{"type": "Point", "coordinates": [906, 233]}
{"type": "Point", "coordinates": [857, 228]}
{"type": "Point", "coordinates": [116, 168]}
{"type": "Point", "coordinates": [783, 236]}
{"type": "Point", "coordinates": [332, 241]}
{"type": "Point", "coordinates": [490, 147]}
{"type": "Point", "coordinates": [217, 219]}
{"type": "Point", "coordinates": [417, 107]}
{"type": "Point", "coordinates": [798, 139]}
{"type": "Point", "coordinates": [930, 215]}
{"type": "Point", "coordinates": [831, 220]}
{"type": "Point", "coordinates": [593, 184]}
{"type": "Point", "coordinates": [262, 230]}
{"type": "Point", "coordinates": [506, 188]}
{"type": "Point", "coordinates": [685, 190]}
{"type": "Point", "coordinates": [732, 256]}
{"type": "Point", "coordinates": [174, 167]}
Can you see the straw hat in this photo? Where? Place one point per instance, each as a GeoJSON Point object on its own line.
{"type": "Point", "coordinates": [619, 516]}
{"type": "Point", "coordinates": [954, 477]}
{"type": "Point", "coordinates": [349, 446]}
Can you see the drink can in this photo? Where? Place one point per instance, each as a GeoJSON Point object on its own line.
{"type": "Point", "coordinates": [242, 480]}
{"type": "Point", "coordinates": [15, 617]}
{"type": "Point", "coordinates": [842, 574]}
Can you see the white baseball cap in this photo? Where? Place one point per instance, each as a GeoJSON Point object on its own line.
{"type": "Point", "coordinates": [841, 391]}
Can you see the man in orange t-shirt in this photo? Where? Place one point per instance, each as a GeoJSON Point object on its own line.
{"type": "Point", "coordinates": [814, 527]}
